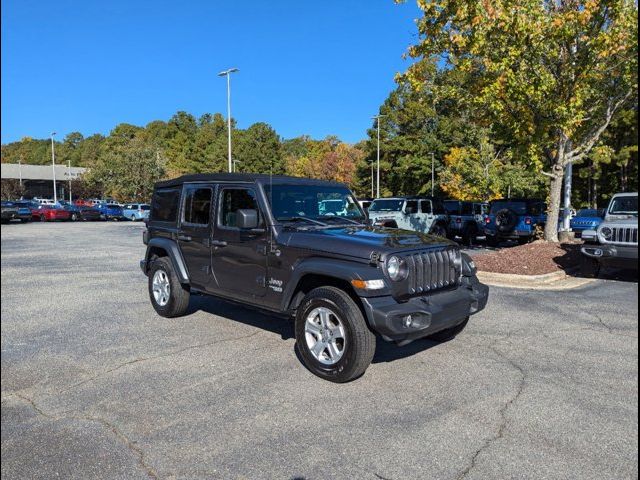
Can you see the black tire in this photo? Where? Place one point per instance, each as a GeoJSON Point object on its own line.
{"type": "Point", "coordinates": [438, 230]}
{"type": "Point", "coordinates": [25, 220]}
{"type": "Point", "coordinates": [359, 342]}
{"type": "Point", "coordinates": [589, 267]}
{"type": "Point", "coordinates": [523, 240]}
{"type": "Point", "coordinates": [469, 235]}
{"type": "Point", "coordinates": [492, 241]}
{"type": "Point", "coordinates": [43, 218]}
{"type": "Point", "coordinates": [178, 299]}
{"type": "Point", "coordinates": [449, 333]}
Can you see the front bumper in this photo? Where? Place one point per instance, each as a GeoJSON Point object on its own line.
{"type": "Point", "coordinates": [427, 314]}
{"type": "Point", "coordinates": [614, 255]}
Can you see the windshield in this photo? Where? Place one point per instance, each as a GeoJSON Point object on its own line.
{"type": "Point", "coordinates": [624, 206]}
{"type": "Point", "coordinates": [145, 207]}
{"type": "Point", "coordinates": [386, 205]}
{"type": "Point", "coordinates": [313, 202]}
{"type": "Point", "coordinates": [519, 207]}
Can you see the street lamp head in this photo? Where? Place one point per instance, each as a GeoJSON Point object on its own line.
{"type": "Point", "coordinates": [227, 72]}
{"type": "Point", "coordinates": [53, 133]}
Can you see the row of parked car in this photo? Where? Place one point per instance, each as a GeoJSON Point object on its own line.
{"type": "Point", "coordinates": [508, 219]}
{"type": "Point", "coordinates": [46, 210]}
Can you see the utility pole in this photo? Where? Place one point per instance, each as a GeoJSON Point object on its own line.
{"type": "Point", "coordinates": [227, 73]}
{"type": "Point", "coordinates": [377, 119]}
{"type": "Point", "coordinates": [371, 179]}
{"type": "Point", "coordinates": [20, 171]}
{"type": "Point", "coordinates": [53, 166]}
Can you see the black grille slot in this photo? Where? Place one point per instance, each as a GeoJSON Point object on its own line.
{"type": "Point", "coordinates": [624, 235]}
{"type": "Point", "coordinates": [433, 269]}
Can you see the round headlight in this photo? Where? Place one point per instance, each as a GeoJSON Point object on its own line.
{"type": "Point", "coordinates": [395, 268]}
{"type": "Point", "coordinates": [606, 233]}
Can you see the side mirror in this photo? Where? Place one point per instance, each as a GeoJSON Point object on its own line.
{"type": "Point", "coordinates": [247, 218]}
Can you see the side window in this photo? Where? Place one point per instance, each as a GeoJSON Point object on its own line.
{"type": "Point", "coordinates": [197, 205]}
{"type": "Point", "coordinates": [165, 205]}
{"type": "Point", "coordinates": [438, 208]}
{"type": "Point", "coordinates": [467, 209]}
{"type": "Point", "coordinates": [411, 206]}
{"type": "Point", "coordinates": [232, 200]}
{"type": "Point", "coordinates": [425, 206]}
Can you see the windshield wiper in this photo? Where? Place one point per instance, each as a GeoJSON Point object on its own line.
{"type": "Point", "coordinates": [302, 219]}
{"type": "Point", "coordinates": [340, 219]}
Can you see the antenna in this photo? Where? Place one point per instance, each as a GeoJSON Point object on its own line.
{"type": "Point", "coordinates": [271, 204]}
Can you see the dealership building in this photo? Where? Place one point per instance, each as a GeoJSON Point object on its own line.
{"type": "Point", "coordinates": [38, 179]}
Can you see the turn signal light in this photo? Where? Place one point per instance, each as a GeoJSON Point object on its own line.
{"type": "Point", "coordinates": [487, 220]}
{"type": "Point", "coordinates": [527, 221]}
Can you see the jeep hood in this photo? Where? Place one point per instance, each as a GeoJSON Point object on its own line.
{"type": "Point", "coordinates": [360, 241]}
{"type": "Point", "coordinates": [629, 220]}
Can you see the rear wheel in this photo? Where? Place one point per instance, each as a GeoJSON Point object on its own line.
{"type": "Point", "coordinates": [168, 296]}
{"type": "Point", "coordinates": [449, 333]}
{"type": "Point", "coordinates": [523, 240]}
{"type": "Point", "coordinates": [133, 218]}
{"type": "Point", "coordinates": [332, 335]}
{"type": "Point", "coordinates": [492, 241]}
{"type": "Point", "coordinates": [74, 217]}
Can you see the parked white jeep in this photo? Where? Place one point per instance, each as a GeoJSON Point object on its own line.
{"type": "Point", "coordinates": [615, 242]}
{"type": "Point", "coordinates": [420, 214]}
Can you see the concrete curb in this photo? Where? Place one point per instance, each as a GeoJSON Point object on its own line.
{"type": "Point", "coordinates": [550, 281]}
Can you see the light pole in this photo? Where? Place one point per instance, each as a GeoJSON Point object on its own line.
{"type": "Point", "coordinates": [377, 119]}
{"type": "Point", "coordinates": [70, 200]}
{"type": "Point", "coordinates": [53, 167]}
{"type": "Point", "coordinates": [227, 73]}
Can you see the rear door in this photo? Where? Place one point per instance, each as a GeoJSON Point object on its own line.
{"type": "Point", "coordinates": [239, 256]}
{"type": "Point", "coordinates": [194, 233]}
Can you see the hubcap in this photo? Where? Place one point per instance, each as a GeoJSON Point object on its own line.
{"type": "Point", "coordinates": [161, 287]}
{"type": "Point", "coordinates": [325, 335]}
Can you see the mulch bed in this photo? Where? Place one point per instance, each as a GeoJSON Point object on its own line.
{"type": "Point", "coordinates": [535, 258]}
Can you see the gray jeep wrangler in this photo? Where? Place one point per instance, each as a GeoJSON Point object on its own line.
{"type": "Point", "coordinates": [301, 248]}
{"type": "Point", "coordinates": [615, 242]}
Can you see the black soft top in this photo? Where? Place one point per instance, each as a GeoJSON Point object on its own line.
{"type": "Point", "coordinates": [243, 177]}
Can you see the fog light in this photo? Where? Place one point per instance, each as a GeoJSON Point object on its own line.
{"type": "Point", "coordinates": [408, 321]}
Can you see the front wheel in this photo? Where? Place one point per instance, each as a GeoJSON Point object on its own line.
{"type": "Point", "coordinates": [332, 336]}
{"type": "Point", "coordinates": [133, 218]}
{"type": "Point", "coordinates": [492, 241]}
{"type": "Point", "coordinates": [589, 267]}
{"type": "Point", "coordinates": [168, 296]}
{"type": "Point", "coordinates": [74, 217]}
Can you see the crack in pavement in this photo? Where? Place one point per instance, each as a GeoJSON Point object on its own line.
{"type": "Point", "coordinates": [119, 434]}
{"type": "Point", "coordinates": [154, 357]}
{"type": "Point", "coordinates": [504, 421]}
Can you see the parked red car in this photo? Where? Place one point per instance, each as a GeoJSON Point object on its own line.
{"type": "Point", "coordinates": [50, 213]}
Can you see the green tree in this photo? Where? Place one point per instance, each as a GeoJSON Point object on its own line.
{"type": "Point", "coordinates": [258, 150]}
{"type": "Point", "coordinates": [551, 74]}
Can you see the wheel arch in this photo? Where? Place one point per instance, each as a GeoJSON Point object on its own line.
{"type": "Point", "coordinates": [164, 247]}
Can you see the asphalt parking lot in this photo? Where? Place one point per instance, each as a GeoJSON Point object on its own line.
{"type": "Point", "coordinates": [96, 385]}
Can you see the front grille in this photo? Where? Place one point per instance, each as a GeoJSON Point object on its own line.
{"type": "Point", "coordinates": [433, 269]}
{"type": "Point", "coordinates": [624, 235]}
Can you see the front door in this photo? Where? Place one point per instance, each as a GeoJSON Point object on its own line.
{"type": "Point", "coordinates": [195, 232]}
{"type": "Point", "coordinates": [238, 256]}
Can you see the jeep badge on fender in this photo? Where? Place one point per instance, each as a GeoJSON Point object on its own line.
{"type": "Point", "coordinates": [303, 248]}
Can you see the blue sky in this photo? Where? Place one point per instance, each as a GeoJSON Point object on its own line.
{"type": "Point", "coordinates": [315, 68]}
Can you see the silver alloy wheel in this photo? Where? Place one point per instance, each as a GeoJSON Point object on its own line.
{"type": "Point", "coordinates": [161, 287]}
{"type": "Point", "coordinates": [325, 335]}
{"type": "Point", "coordinates": [133, 218]}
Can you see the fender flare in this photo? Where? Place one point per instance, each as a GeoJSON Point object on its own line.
{"type": "Point", "coordinates": [173, 252]}
{"type": "Point", "coordinates": [338, 269]}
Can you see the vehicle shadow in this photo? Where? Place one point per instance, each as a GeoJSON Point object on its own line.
{"type": "Point", "coordinates": [570, 262]}
{"type": "Point", "coordinates": [284, 327]}
{"type": "Point", "coordinates": [389, 351]}
{"type": "Point", "coordinates": [238, 313]}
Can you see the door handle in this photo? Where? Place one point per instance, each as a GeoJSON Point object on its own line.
{"type": "Point", "coordinates": [184, 238]}
{"type": "Point", "coordinates": [218, 243]}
